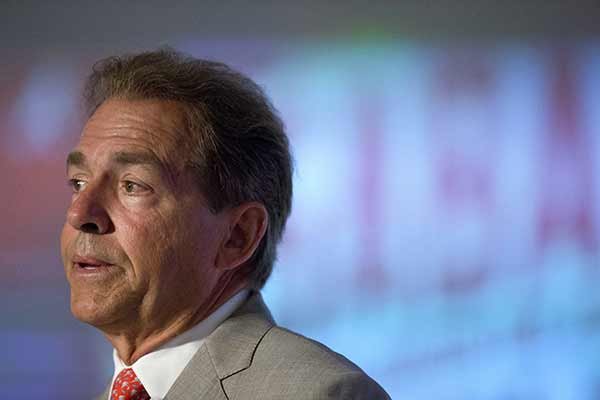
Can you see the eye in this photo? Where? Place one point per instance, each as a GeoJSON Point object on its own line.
{"type": "Point", "coordinates": [133, 188]}
{"type": "Point", "coordinates": [76, 185]}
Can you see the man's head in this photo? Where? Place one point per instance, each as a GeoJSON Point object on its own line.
{"type": "Point", "coordinates": [181, 189]}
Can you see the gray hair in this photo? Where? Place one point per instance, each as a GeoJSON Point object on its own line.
{"type": "Point", "coordinates": [238, 146]}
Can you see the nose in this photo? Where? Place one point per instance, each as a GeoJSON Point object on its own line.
{"type": "Point", "coordinates": [88, 213]}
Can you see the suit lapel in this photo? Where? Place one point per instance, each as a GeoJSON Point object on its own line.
{"type": "Point", "coordinates": [232, 344]}
{"type": "Point", "coordinates": [226, 351]}
{"type": "Point", "coordinates": [197, 381]}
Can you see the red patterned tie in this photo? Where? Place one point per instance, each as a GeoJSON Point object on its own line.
{"type": "Point", "coordinates": [127, 386]}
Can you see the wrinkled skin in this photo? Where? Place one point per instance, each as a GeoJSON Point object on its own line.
{"type": "Point", "coordinates": [136, 214]}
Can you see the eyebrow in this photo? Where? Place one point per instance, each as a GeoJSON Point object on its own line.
{"type": "Point", "coordinates": [78, 159]}
{"type": "Point", "coordinates": [133, 158]}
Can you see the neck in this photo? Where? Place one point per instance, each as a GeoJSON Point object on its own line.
{"type": "Point", "coordinates": [143, 338]}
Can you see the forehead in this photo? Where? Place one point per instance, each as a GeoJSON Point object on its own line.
{"type": "Point", "coordinates": [153, 126]}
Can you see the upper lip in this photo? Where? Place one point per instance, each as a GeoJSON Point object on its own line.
{"type": "Point", "coordinates": [77, 259]}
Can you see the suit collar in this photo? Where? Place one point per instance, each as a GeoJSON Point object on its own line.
{"type": "Point", "coordinates": [225, 352]}
{"type": "Point", "coordinates": [232, 345]}
{"type": "Point", "coordinates": [197, 381]}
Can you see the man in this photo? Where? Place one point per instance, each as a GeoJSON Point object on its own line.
{"type": "Point", "coordinates": [182, 184]}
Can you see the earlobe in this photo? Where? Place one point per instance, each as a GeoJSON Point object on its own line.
{"type": "Point", "coordinates": [247, 225]}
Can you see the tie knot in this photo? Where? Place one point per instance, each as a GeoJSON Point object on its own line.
{"type": "Point", "coordinates": [127, 386]}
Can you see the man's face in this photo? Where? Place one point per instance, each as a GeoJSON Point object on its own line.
{"type": "Point", "coordinates": [139, 244]}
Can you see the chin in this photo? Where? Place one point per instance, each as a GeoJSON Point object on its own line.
{"type": "Point", "coordinates": [105, 312]}
{"type": "Point", "coordinates": [89, 312]}
{"type": "Point", "coordinates": [84, 313]}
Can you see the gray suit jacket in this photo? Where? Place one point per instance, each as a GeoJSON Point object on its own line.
{"type": "Point", "coordinates": [248, 357]}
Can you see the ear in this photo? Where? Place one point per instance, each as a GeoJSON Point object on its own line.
{"type": "Point", "coordinates": [247, 225]}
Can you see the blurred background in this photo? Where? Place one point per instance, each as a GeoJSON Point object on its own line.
{"type": "Point", "coordinates": [445, 232]}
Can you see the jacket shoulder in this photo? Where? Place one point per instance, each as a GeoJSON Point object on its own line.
{"type": "Point", "coordinates": [286, 347]}
{"type": "Point", "coordinates": [288, 365]}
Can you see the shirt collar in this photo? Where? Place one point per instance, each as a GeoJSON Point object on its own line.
{"type": "Point", "coordinates": [159, 369]}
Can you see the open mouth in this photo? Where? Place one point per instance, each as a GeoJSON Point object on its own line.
{"type": "Point", "coordinates": [90, 264]}
{"type": "Point", "coordinates": [90, 267]}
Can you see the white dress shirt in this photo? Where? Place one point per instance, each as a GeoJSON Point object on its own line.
{"type": "Point", "coordinates": [158, 370]}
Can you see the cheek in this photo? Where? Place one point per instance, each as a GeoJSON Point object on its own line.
{"type": "Point", "coordinates": [169, 241]}
{"type": "Point", "coordinates": [66, 238]}
{"type": "Point", "coordinates": [202, 237]}
{"type": "Point", "coordinates": [147, 242]}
